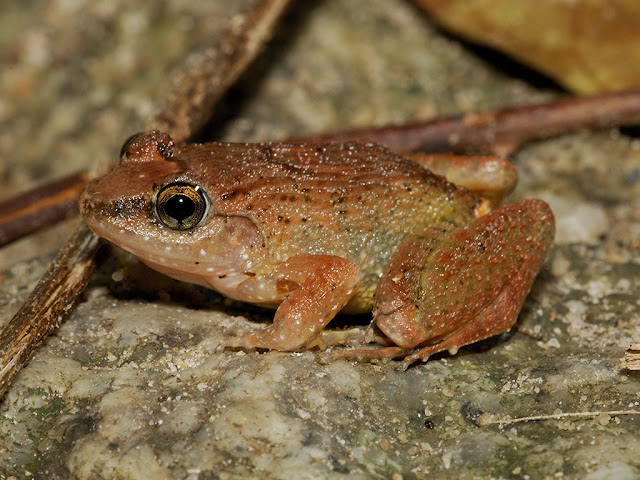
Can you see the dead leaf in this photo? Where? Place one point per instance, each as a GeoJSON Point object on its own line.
{"type": "Point", "coordinates": [588, 46]}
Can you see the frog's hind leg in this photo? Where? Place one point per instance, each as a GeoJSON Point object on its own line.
{"type": "Point", "coordinates": [496, 318]}
{"type": "Point", "coordinates": [443, 290]}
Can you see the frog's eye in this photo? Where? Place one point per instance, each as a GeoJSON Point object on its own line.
{"type": "Point", "coordinates": [181, 206]}
{"type": "Point", "coordinates": [127, 143]}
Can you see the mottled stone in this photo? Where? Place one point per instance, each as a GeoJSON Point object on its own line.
{"type": "Point", "coordinates": [134, 385]}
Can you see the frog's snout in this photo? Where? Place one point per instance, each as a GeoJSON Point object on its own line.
{"type": "Point", "coordinates": [85, 202]}
{"type": "Point", "coordinates": [96, 205]}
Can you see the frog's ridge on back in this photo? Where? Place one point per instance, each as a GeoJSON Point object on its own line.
{"type": "Point", "coordinates": [276, 224]}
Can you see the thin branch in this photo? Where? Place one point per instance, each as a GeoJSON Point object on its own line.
{"type": "Point", "coordinates": [501, 131]}
{"type": "Point", "coordinates": [40, 207]}
{"type": "Point", "coordinates": [54, 295]}
{"type": "Point", "coordinates": [209, 72]}
{"type": "Point", "coordinates": [492, 419]}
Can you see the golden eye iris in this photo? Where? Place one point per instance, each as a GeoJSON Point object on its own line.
{"type": "Point", "coordinates": [181, 206]}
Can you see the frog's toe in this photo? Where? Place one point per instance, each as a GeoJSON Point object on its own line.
{"type": "Point", "coordinates": [267, 339]}
{"type": "Point", "coordinates": [376, 354]}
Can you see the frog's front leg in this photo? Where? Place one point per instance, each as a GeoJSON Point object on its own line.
{"type": "Point", "coordinates": [320, 286]}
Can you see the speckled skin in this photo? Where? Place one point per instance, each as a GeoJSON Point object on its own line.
{"type": "Point", "coordinates": [314, 229]}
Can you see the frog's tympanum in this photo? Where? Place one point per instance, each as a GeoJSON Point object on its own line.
{"type": "Point", "coordinates": [318, 229]}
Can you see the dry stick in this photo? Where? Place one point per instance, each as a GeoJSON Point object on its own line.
{"type": "Point", "coordinates": [491, 420]}
{"type": "Point", "coordinates": [210, 72]}
{"type": "Point", "coordinates": [40, 207]}
{"type": "Point", "coordinates": [501, 131]}
{"type": "Point", "coordinates": [53, 297]}
{"type": "Point", "coordinates": [72, 268]}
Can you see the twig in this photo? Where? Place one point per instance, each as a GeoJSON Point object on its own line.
{"type": "Point", "coordinates": [54, 295]}
{"type": "Point", "coordinates": [198, 86]}
{"type": "Point", "coordinates": [40, 207]}
{"type": "Point", "coordinates": [502, 131]}
{"type": "Point", "coordinates": [631, 359]}
{"type": "Point", "coordinates": [211, 71]}
{"type": "Point", "coordinates": [492, 419]}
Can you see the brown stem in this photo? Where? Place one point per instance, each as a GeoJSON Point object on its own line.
{"type": "Point", "coordinates": [54, 295]}
{"type": "Point", "coordinates": [208, 73]}
{"type": "Point", "coordinates": [501, 131]}
{"type": "Point", "coordinates": [40, 207]}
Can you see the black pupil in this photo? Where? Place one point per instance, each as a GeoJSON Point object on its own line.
{"type": "Point", "coordinates": [180, 207]}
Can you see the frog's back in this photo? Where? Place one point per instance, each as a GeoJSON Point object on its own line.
{"type": "Point", "coordinates": [357, 200]}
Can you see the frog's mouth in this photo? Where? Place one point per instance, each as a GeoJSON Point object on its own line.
{"type": "Point", "coordinates": [168, 259]}
{"type": "Point", "coordinates": [163, 258]}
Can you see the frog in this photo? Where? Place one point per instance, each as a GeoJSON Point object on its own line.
{"type": "Point", "coordinates": [313, 230]}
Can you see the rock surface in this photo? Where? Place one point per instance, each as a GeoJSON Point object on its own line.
{"type": "Point", "coordinates": [134, 385]}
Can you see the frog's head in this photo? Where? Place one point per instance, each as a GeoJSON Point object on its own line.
{"type": "Point", "coordinates": [155, 206]}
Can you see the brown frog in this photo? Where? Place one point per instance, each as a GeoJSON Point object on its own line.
{"type": "Point", "coordinates": [318, 229]}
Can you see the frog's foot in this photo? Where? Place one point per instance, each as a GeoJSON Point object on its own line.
{"type": "Point", "coordinates": [444, 290]}
{"type": "Point", "coordinates": [320, 286]}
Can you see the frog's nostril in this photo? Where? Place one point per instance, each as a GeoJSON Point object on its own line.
{"type": "Point", "coordinates": [83, 203]}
